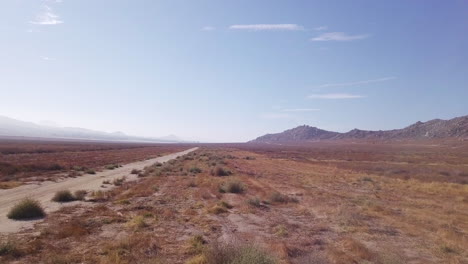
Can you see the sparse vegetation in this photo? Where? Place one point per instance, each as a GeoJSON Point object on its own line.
{"type": "Point", "coordinates": [26, 209]}
{"type": "Point", "coordinates": [254, 201]}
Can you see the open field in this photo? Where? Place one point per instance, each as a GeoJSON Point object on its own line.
{"type": "Point", "coordinates": [322, 203]}
{"type": "Point", "coordinates": [22, 161]}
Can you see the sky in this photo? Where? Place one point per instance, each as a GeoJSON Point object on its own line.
{"type": "Point", "coordinates": [230, 71]}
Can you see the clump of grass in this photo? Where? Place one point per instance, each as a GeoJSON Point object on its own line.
{"type": "Point", "coordinates": [26, 209]}
{"type": "Point", "coordinates": [119, 181]}
{"type": "Point", "coordinates": [138, 222]}
{"type": "Point", "coordinates": [254, 201]}
{"type": "Point", "coordinates": [225, 205]}
{"type": "Point", "coordinates": [100, 196]}
{"type": "Point", "coordinates": [238, 254]}
{"type": "Point", "coordinates": [197, 244]}
{"type": "Point", "coordinates": [63, 196]}
{"type": "Point", "coordinates": [220, 171]}
{"type": "Point", "coordinates": [80, 195]}
{"type": "Point", "coordinates": [281, 231]}
{"type": "Point", "coordinates": [232, 186]}
{"type": "Point", "coordinates": [217, 209]}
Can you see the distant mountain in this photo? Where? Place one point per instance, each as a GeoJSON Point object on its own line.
{"type": "Point", "coordinates": [437, 129]}
{"type": "Point", "coordinates": [15, 128]}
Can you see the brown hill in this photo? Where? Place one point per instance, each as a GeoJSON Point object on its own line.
{"type": "Point", "coordinates": [433, 129]}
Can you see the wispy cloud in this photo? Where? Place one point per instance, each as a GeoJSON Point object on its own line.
{"type": "Point", "coordinates": [208, 28]}
{"type": "Point", "coordinates": [276, 116]}
{"type": "Point", "coordinates": [321, 28]}
{"type": "Point", "coordinates": [47, 17]}
{"type": "Point", "coordinates": [343, 84]}
{"type": "Point", "coordinates": [335, 96]}
{"type": "Point", "coordinates": [270, 27]}
{"type": "Point", "coordinates": [48, 58]}
{"type": "Point", "coordinates": [301, 110]}
{"type": "Point", "coordinates": [338, 36]}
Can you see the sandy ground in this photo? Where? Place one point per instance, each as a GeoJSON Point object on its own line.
{"type": "Point", "coordinates": [44, 191]}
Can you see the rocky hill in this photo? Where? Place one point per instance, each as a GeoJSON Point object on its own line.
{"type": "Point", "coordinates": [435, 129]}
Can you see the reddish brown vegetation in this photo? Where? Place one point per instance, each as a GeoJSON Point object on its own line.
{"type": "Point", "coordinates": [22, 160]}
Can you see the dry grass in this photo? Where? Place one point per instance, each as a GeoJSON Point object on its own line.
{"type": "Point", "coordinates": [345, 215]}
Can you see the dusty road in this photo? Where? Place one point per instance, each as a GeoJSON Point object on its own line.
{"type": "Point", "coordinates": [45, 191]}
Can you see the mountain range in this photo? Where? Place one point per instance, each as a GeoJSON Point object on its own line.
{"type": "Point", "coordinates": [456, 128]}
{"type": "Point", "coordinates": [10, 127]}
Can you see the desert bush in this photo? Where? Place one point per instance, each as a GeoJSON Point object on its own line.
{"type": "Point", "coordinates": [91, 172]}
{"type": "Point", "coordinates": [219, 171]}
{"type": "Point", "coordinates": [232, 186]}
{"type": "Point", "coordinates": [277, 197]}
{"type": "Point", "coordinates": [63, 196]}
{"type": "Point", "coordinates": [237, 254]}
{"type": "Point", "coordinates": [112, 166]}
{"type": "Point", "coordinates": [9, 248]}
{"type": "Point", "coordinates": [135, 171]}
{"type": "Point", "coordinates": [26, 209]}
{"type": "Point", "coordinates": [195, 170]}
{"type": "Point", "coordinates": [254, 201]}
{"type": "Point", "coordinates": [80, 195]}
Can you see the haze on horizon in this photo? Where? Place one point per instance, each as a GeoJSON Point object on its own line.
{"type": "Point", "coordinates": [232, 71]}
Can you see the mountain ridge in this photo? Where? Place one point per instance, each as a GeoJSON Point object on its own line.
{"type": "Point", "coordinates": [10, 127]}
{"type": "Point", "coordinates": [433, 129]}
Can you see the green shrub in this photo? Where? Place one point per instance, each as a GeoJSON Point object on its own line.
{"type": "Point", "coordinates": [26, 209]}
{"type": "Point", "coordinates": [63, 196]}
{"type": "Point", "coordinates": [232, 186]}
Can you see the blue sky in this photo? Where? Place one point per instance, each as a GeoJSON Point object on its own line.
{"type": "Point", "coordinates": [232, 70]}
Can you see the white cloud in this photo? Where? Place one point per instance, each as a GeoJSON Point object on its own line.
{"type": "Point", "coordinates": [301, 110]}
{"type": "Point", "coordinates": [321, 28]}
{"type": "Point", "coordinates": [262, 27]}
{"type": "Point", "coordinates": [334, 96]}
{"type": "Point", "coordinates": [47, 17]}
{"type": "Point", "coordinates": [326, 85]}
{"type": "Point", "coordinates": [208, 28]}
{"type": "Point", "coordinates": [338, 36]}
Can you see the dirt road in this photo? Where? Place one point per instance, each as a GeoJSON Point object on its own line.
{"type": "Point", "coordinates": [45, 191]}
